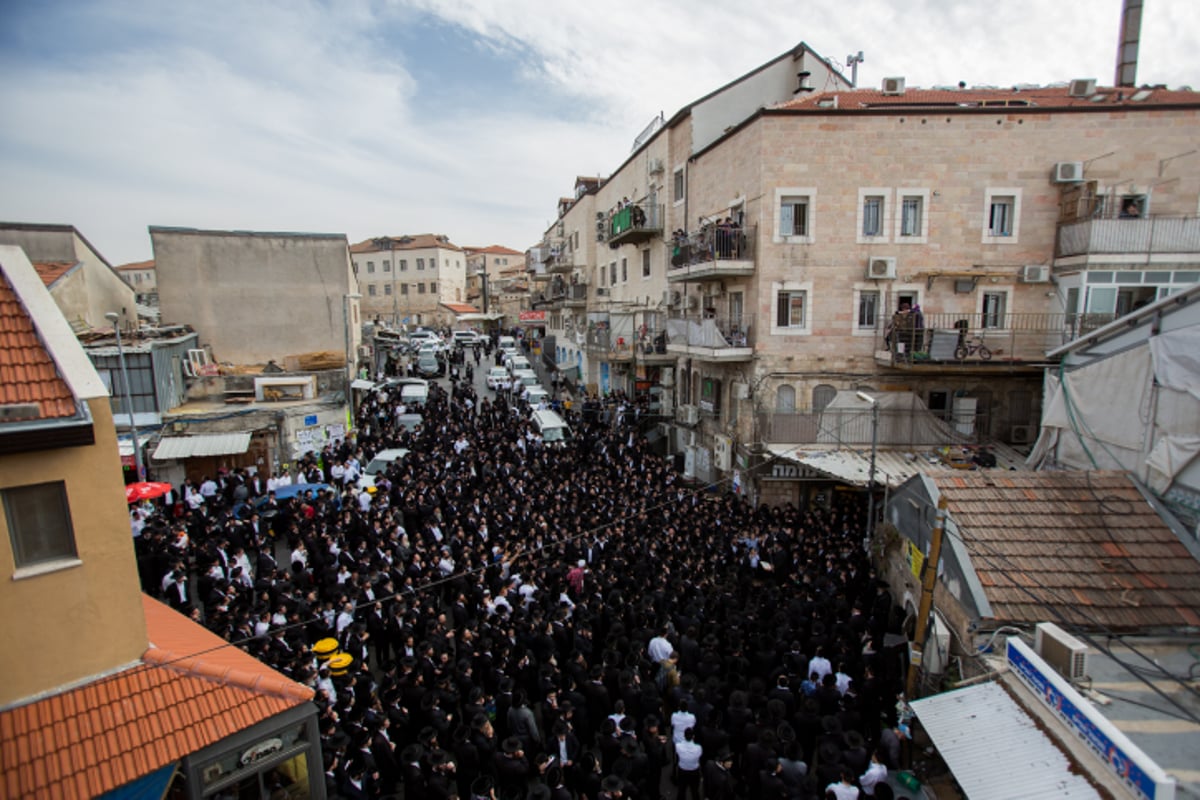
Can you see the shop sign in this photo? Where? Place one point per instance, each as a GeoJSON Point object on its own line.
{"type": "Point", "coordinates": [260, 751]}
{"type": "Point", "coordinates": [532, 316]}
{"type": "Point", "coordinates": [791, 471]}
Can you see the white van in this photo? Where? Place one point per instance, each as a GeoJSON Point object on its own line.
{"type": "Point", "coordinates": [551, 427]}
{"type": "Point", "coordinates": [382, 460]}
{"type": "Point", "coordinates": [507, 343]}
{"type": "Point", "coordinates": [414, 394]}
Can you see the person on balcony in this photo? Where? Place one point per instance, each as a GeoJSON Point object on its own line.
{"type": "Point", "coordinates": [1130, 209]}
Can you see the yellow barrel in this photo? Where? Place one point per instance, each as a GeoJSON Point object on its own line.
{"type": "Point", "coordinates": [340, 663]}
{"type": "Point", "coordinates": [325, 649]}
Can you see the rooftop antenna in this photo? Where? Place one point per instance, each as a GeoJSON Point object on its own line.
{"type": "Point", "coordinates": [1127, 51]}
{"type": "Point", "coordinates": [852, 61]}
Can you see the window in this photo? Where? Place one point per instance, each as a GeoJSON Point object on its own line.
{"type": "Point", "coordinates": [370, 267]}
{"type": "Point", "coordinates": [911, 216]}
{"type": "Point", "coordinates": [624, 270]}
{"type": "Point", "coordinates": [993, 309]}
{"type": "Point", "coordinates": [371, 289]}
{"type": "Point", "coordinates": [387, 265]}
{"type": "Point", "coordinates": [790, 309]}
{"type": "Point", "coordinates": [420, 288]}
{"type": "Point", "coordinates": [404, 288]}
{"type": "Point", "coordinates": [868, 309]}
{"type": "Point", "coordinates": [420, 263]}
{"type": "Point", "coordinates": [822, 396]}
{"type": "Point", "coordinates": [387, 289]}
{"type": "Point", "coordinates": [710, 396]}
{"type": "Point", "coordinates": [433, 287]}
{"type": "Point", "coordinates": [404, 265]}
{"type": "Point", "coordinates": [793, 216]}
{"type": "Point", "coordinates": [645, 263]}
{"type": "Point", "coordinates": [612, 274]}
{"type": "Point", "coordinates": [680, 188]}
{"type": "Point", "coordinates": [1002, 215]}
{"type": "Point", "coordinates": [785, 399]}
{"type": "Point", "coordinates": [39, 523]}
{"type": "Point", "coordinates": [872, 216]}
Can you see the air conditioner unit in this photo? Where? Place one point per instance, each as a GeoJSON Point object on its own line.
{"type": "Point", "coordinates": [740, 390]}
{"type": "Point", "coordinates": [1035, 273]}
{"type": "Point", "coordinates": [687, 414]}
{"type": "Point", "coordinates": [1082, 87]}
{"type": "Point", "coordinates": [1068, 172]}
{"type": "Point", "coordinates": [893, 86]}
{"type": "Point", "coordinates": [601, 291]}
{"type": "Point", "coordinates": [666, 377]}
{"type": "Point", "coordinates": [1022, 434]}
{"type": "Point", "coordinates": [1061, 650]}
{"type": "Point", "coordinates": [881, 269]}
{"type": "Point", "coordinates": [656, 166]}
{"type": "Point", "coordinates": [676, 299]}
{"type": "Point", "coordinates": [722, 452]}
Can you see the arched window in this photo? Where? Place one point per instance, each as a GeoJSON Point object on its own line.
{"type": "Point", "coordinates": [822, 396]}
{"type": "Point", "coordinates": [785, 399]}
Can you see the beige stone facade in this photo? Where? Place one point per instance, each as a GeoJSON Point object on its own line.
{"type": "Point", "coordinates": [409, 277]}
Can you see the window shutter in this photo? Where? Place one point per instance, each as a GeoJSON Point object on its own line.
{"type": "Point", "coordinates": [786, 218]}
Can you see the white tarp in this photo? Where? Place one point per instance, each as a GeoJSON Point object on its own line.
{"type": "Point", "coordinates": [1169, 457]}
{"type": "Point", "coordinates": [904, 419]}
{"type": "Point", "coordinates": [695, 334]}
{"type": "Point", "coordinates": [1176, 357]}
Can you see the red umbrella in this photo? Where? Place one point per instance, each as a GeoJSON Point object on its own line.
{"type": "Point", "coordinates": [145, 490]}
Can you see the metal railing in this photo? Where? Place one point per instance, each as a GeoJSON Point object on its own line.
{"type": "Point", "coordinates": [1129, 235]}
{"type": "Point", "coordinates": [851, 428]}
{"type": "Point", "coordinates": [635, 216]}
{"type": "Point", "coordinates": [711, 331]}
{"type": "Point", "coordinates": [714, 243]}
{"type": "Point", "coordinates": [955, 338]}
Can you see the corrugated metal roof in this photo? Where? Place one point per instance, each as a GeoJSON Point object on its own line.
{"type": "Point", "coordinates": [209, 444]}
{"type": "Point", "coordinates": [853, 466]}
{"type": "Point", "coordinates": [994, 749]}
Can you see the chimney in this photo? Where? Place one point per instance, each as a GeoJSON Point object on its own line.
{"type": "Point", "coordinates": [1127, 51]}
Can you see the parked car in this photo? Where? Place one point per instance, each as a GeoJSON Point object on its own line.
{"type": "Point", "coordinates": [429, 365]}
{"type": "Point", "coordinates": [515, 362]}
{"type": "Point", "coordinates": [382, 460]}
{"type": "Point", "coordinates": [551, 427]}
{"type": "Point", "coordinates": [498, 379]}
{"type": "Point", "coordinates": [414, 394]}
{"type": "Point", "coordinates": [465, 338]}
{"type": "Point", "coordinates": [535, 394]}
{"type": "Point", "coordinates": [522, 378]}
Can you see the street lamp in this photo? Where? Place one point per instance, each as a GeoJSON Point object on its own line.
{"type": "Point", "coordinates": [866, 398]}
{"type": "Point", "coordinates": [114, 318]}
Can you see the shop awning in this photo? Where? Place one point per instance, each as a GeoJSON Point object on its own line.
{"type": "Point", "coordinates": [208, 444]}
{"type": "Point", "coordinates": [854, 466]}
{"type": "Point", "coordinates": [994, 748]}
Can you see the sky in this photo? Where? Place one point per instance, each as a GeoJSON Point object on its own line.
{"type": "Point", "coordinates": [468, 118]}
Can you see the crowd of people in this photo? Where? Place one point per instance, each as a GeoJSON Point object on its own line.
{"type": "Point", "coordinates": [547, 622]}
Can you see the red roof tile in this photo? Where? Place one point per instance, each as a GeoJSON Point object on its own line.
{"type": "Point", "coordinates": [1041, 97]}
{"type": "Point", "coordinates": [1086, 544]}
{"type": "Point", "coordinates": [50, 271]}
{"type": "Point", "coordinates": [136, 265]}
{"type": "Point", "coordinates": [192, 689]}
{"type": "Point", "coordinates": [461, 308]}
{"type": "Point", "coordinates": [421, 241]}
{"type": "Point", "coordinates": [28, 375]}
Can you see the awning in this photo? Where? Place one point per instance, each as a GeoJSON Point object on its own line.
{"type": "Point", "coordinates": [854, 466]}
{"type": "Point", "coordinates": [994, 748]}
{"type": "Point", "coordinates": [359, 383]}
{"type": "Point", "coordinates": [209, 444]}
{"type": "Point", "coordinates": [125, 447]}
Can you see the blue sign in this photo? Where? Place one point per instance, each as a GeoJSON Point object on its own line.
{"type": "Point", "coordinates": [1069, 707]}
{"type": "Point", "coordinates": [311, 419]}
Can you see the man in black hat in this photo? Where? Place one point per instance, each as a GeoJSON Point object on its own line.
{"type": "Point", "coordinates": [718, 780]}
{"type": "Point", "coordinates": [612, 788]}
{"type": "Point", "coordinates": [512, 766]}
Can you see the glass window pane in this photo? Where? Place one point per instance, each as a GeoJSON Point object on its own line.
{"type": "Point", "coordinates": [1129, 277]}
{"type": "Point", "coordinates": [1100, 277]}
{"type": "Point", "coordinates": [39, 523]}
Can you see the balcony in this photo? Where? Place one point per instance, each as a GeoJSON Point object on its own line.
{"type": "Point", "coordinates": [561, 261]}
{"type": "Point", "coordinates": [715, 252]}
{"type": "Point", "coordinates": [643, 346]}
{"type": "Point", "coordinates": [1150, 236]}
{"type": "Point", "coordinates": [635, 223]}
{"type": "Point", "coordinates": [575, 295]}
{"type": "Point", "coordinates": [712, 339]}
{"type": "Point", "coordinates": [951, 341]}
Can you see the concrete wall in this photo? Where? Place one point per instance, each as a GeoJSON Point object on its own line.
{"type": "Point", "coordinates": [85, 619]}
{"type": "Point", "coordinates": [258, 296]}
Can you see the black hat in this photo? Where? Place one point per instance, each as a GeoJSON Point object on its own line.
{"type": "Point", "coordinates": [511, 745]}
{"type": "Point", "coordinates": [854, 740]}
{"type": "Point", "coordinates": [539, 791]}
{"type": "Point", "coordinates": [427, 735]}
{"type": "Point", "coordinates": [482, 786]}
{"type": "Point", "coordinates": [786, 732]}
{"type": "Point", "coordinates": [724, 754]}
{"type": "Point", "coordinates": [829, 753]}
{"type": "Point", "coordinates": [612, 783]}
{"type": "Point", "coordinates": [412, 753]}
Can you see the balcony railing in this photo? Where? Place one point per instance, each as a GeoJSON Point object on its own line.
{"type": "Point", "coordinates": [643, 343]}
{"type": "Point", "coordinates": [717, 251]}
{"type": "Point", "coordinates": [1126, 236]}
{"type": "Point", "coordinates": [955, 338]}
{"type": "Point", "coordinates": [849, 428]}
{"type": "Point", "coordinates": [637, 222]}
{"type": "Point", "coordinates": [712, 337]}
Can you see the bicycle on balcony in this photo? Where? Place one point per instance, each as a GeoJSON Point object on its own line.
{"type": "Point", "coordinates": [975, 346]}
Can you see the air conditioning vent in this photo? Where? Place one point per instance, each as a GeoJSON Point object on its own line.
{"type": "Point", "coordinates": [601, 291]}
{"type": "Point", "coordinates": [1082, 87]}
{"type": "Point", "coordinates": [656, 166]}
{"type": "Point", "coordinates": [1061, 650]}
{"type": "Point", "coordinates": [1035, 273]}
{"type": "Point", "coordinates": [1022, 434]}
{"type": "Point", "coordinates": [687, 414]}
{"type": "Point", "coordinates": [722, 452]}
{"type": "Point", "coordinates": [881, 269]}
{"type": "Point", "coordinates": [893, 86]}
{"type": "Point", "coordinates": [1068, 172]}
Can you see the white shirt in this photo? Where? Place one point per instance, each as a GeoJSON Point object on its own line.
{"type": "Point", "coordinates": [689, 755]}
{"type": "Point", "coordinates": [820, 665]}
{"type": "Point", "coordinates": [876, 773]}
{"type": "Point", "coordinates": [660, 649]}
{"type": "Point", "coordinates": [842, 791]}
{"type": "Point", "coordinates": [680, 722]}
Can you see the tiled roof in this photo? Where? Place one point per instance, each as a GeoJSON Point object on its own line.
{"type": "Point", "coordinates": [1087, 543]}
{"type": "Point", "coordinates": [136, 265]}
{"type": "Point", "coordinates": [461, 308]}
{"type": "Point", "coordinates": [421, 241]}
{"type": "Point", "coordinates": [27, 372]}
{"type": "Point", "coordinates": [50, 271]}
{"type": "Point", "coordinates": [1042, 97]}
{"type": "Point", "coordinates": [90, 740]}
{"type": "Point", "coordinates": [494, 249]}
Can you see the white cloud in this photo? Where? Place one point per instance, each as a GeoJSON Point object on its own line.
{"type": "Point", "coordinates": [313, 116]}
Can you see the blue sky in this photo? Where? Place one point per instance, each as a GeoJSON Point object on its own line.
{"type": "Point", "coordinates": [462, 117]}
